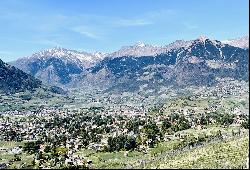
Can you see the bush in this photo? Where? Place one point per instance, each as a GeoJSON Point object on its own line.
{"type": "Point", "coordinates": [121, 143]}
{"type": "Point", "coordinates": [226, 119]}
{"type": "Point", "coordinates": [32, 147]}
{"type": "Point", "coordinates": [245, 124]}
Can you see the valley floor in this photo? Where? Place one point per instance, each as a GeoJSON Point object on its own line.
{"type": "Point", "coordinates": [198, 128]}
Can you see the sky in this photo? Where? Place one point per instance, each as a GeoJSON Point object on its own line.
{"type": "Point", "coordinates": [28, 26]}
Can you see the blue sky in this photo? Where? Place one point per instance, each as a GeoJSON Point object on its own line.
{"type": "Point", "coordinates": [28, 26]}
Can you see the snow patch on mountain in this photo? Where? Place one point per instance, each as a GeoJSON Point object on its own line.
{"type": "Point", "coordinates": [71, 55]}
{"type": "Point", "coordinates": [137, 50]}
{"type": "Point", "coordinates": [141, 49]}
{"type": "Point", "coordinates": [242, 42]}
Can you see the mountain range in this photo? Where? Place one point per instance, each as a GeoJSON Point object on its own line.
{"type": "Point", "coordinates": [199, 62]}
{"type": "Point", "coordinates": [182, 63]}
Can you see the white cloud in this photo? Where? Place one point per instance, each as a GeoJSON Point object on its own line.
{"type": "Point", "coordinates": [83, 30]}
{"type": "Point", "coordinates": [51, 40]}
{"type": "Point", "coordinates": [148, 18]}
{"type": "Point", "coordinates": [88, 25]}
{"type": "Point", "coordinates": [165, 13]}
{"type": "Point", "coordinates": [47, 42]}
{"type": "Point", "coordinates": [131, 22]}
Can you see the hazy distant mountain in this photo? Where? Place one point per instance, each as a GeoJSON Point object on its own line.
{"type": "Point", "coordinates": [57, 66]}
{"type": "Point", "coordinates": [242, 42]}
{"type": "Point", "coordinates": [14, 80]}
{"type": "Point", "coordinates": [141, 49]}
{"type": "Point", "coordinates": [137, 50]}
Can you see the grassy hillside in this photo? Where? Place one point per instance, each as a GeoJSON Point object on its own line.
{"type": "Point", "coordinates": [230, 153]}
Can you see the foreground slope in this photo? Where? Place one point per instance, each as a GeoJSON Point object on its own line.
{"type": "Point", "coordinates": [14, 80]}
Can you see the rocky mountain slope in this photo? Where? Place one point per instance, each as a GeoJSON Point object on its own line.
{"type": "Point", "coordinates": [198, 62]}
{"type": "Point", "coordinates": [14, 80]}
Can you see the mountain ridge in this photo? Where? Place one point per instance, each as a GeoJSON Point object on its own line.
{"type": "Point", "coordinates": [197, 64]}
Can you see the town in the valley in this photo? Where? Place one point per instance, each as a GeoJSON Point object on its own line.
{"type": "Point", "coordinates": [127, 130]}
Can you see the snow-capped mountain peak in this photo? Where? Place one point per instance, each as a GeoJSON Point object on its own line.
{"type": "Point", "coordinates": [99, 55]}
{"type": "Point", "coordinates": [178, 44]}
{"type": "Point", "coordinates": [140, 44]}
{"type": "Point", "coordinates": [66, 54]}
{"type": "Point", "coordinates": [202, 38]}
{"type": "Point", "coordinates": [57, 65]}
{"type": "Point", "coordinates": [137, 50]}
